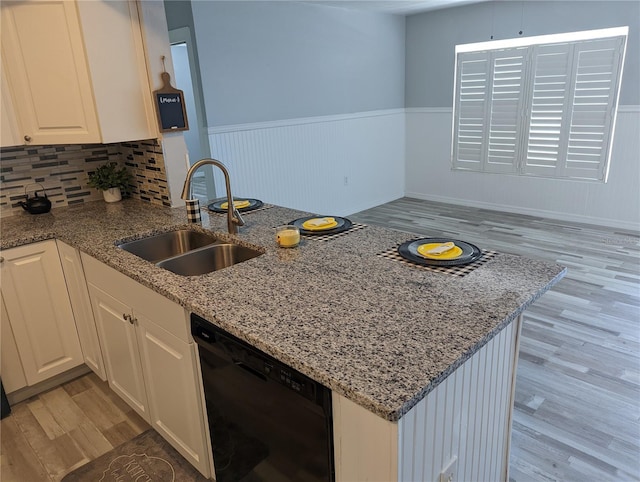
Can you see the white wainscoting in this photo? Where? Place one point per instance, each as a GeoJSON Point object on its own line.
{"type": "Point", "coordinates": [327, 165]}
{"type": "Point", "coordinates": [616, 203]}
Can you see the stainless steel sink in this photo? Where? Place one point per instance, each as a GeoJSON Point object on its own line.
{"type": "Point", "coordinates": [208, 259]}
{"type": "Point", "coordinates": [189, 253]}
{"type": "Point", "coordinates": [166, 245]}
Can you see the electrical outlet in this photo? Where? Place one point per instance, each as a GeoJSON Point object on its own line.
{"type": "Point", "coordinates": [449, 473]}
{"type": "Point", "coordinates": [346, 180]}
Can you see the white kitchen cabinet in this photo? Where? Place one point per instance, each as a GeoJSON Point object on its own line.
{"type": "Point", "coordinates": [76, 71]}
{"type": "Point", "coordinates": [150, 358]}
{"type": "Point", "coordinates": [9, 135]}
{"type": "Point", "coordinates": [118, 336]}
{"type": "Point", "coordinates": [11, 370]}
{"type": "Point", "coordinates": [171, 380]}
{"type": "Point", "coordinates": [39, 310]}
{"type": "Point", "coordinates": [81, 304]}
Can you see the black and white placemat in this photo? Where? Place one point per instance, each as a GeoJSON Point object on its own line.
{"type": "Point", "coordinates": [242, 213]}
{"type": "Point", "coordinates": [328, 237]}
{"type": "Point", "coordinates": [463, 270]}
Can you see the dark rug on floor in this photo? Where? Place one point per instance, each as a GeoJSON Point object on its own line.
{"type": "Point", "coordinates": [145, 458]}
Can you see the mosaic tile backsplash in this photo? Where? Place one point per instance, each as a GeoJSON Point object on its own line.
{"type": "Point", "coordinates": [63, 172]}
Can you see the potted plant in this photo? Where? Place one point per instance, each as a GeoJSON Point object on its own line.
{"type": "Point", "coordinates": [111, 180]}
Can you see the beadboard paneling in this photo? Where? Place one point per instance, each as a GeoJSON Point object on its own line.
{"type": "Point", "coordinates": [328, 165]}
{"type": "Point", "coordinates": [468, 417]}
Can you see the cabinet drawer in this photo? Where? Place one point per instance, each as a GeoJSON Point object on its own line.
{"type": "Point", "coordinates": [164, 312]}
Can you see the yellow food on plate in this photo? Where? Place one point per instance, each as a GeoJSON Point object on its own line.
{"type": "Point", "coordinates": [319, 224]}
{"type": "Point", "coordinates": [236, 204]}
{"type": "Point", "coordinates": [453, 253]}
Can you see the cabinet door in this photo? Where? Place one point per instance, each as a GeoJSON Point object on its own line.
{"type": "Point", "coordinates": [81, 304]}
{"type": "Point", "coordinates": [9, 131]}
{"type": "Point", "coordinates": [10, 366]}
{"type": "Point", "coordinates": [35, 294]}
{"type": "Point", "coordinates": [44, 56]}
{"type": "Point", "coordinates": [123, 101]}
{"type": "Point", "coordinates": [174, 398]}
{"type": "Point", "coordinates": [120, 349]}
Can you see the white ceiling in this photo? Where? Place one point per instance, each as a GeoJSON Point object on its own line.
{"type": "Point", "coordinates": [400, 7]}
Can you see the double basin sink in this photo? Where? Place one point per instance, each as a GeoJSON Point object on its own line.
{"type": "Point", "coordinates": [189, 253]}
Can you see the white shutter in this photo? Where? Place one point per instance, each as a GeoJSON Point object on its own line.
{"type": "Point", "coordinates": [573, 104]}
{"type": "Point", "coordinates": [506, 107]}
{"type": "Point", "coordinates": [548, 108]}
{"type": "Point", "coordinates": [489, 103]}
{"type": "Point", "coordinates": [595, 98]}
{"type": "Point", "coordinates": [471, 110]}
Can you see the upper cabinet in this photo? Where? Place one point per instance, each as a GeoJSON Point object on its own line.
{"type": "Point", "coordinates": [76, 72]}
{"type": "Point", "coordinates": [9, 135]}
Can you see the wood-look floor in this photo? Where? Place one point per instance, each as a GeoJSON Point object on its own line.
{"type": "Point", "coordinates": [577, 405]}
{"type": "Point", "coordinates": [578, 388]}
{"type": "Point", "coordinates": [49, 435]}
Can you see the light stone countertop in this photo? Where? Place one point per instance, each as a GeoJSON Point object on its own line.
{"type": "Point", "coordinates": [377, 331]}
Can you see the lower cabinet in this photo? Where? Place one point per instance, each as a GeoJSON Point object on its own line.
{"type": "Point", "coordinates": [79, 297]}
{"type": "Point", "coordinates": [116, 329]}
{"type": "Point", "coordinates": [39, 311]}
{"type": "Point", "coordinates": [150, 359]}
{"type": "Point", "coordinates": [10, 365]}
{"type": "Point", "coordinates": [169, 366]}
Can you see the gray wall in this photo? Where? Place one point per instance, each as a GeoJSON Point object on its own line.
{"type": "Point", "coordinates": [263, 61]}
{"type": "Point", "coordinates": [179, 14]}
{"type": "Point", "coordinates": [432, 37]}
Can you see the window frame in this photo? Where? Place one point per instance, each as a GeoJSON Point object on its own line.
{"type": "Point", "coordinates": [493, 105]}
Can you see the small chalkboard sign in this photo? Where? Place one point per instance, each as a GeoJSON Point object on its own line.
{"type": "Point", "coordinates": [172, 112]}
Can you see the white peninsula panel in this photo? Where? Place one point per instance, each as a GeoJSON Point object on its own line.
{"type": "Point", "coordinates": [462, 427]}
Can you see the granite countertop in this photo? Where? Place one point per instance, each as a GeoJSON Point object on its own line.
{"type": "Point", "coordinates": [379, 332]}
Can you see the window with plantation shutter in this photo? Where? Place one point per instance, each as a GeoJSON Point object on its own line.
{"type": "Point", "coordinates": [541, 107]}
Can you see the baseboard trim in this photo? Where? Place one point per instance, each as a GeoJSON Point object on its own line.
{"type": "Point", "coordinates": [28, 392]}
{"type": "Point", "coordinates": [574, 218]}
{"type": "Point", "coordinates": [377, 202]}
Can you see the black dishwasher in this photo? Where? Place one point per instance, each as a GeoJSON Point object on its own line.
{"type": "Point", "coordinates": [267, 421]}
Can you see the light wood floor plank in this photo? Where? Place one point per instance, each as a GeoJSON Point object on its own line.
{"type": "Point", "coordinates": [70, 454]}
{"type": "Point", "coordinates": [19, 462]}
{"type": "Point", "coordinates": [45, 419]}
{"type": "Point", "coordinates": [120, 433]}
{"type": "Point", "coordinates": [91, 441]}
{"type": "Point", "coordinates": [48, 451]}
{"type": "Point", "coordinates": [103, 414]}
{"type": "Point", "coordinates": [66, 413]}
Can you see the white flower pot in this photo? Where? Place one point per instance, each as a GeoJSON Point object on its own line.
{"type": "Point", "coordinates": [112, 194]}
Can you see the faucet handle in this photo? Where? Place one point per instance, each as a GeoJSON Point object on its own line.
{"type": "Point", "coordinates": [237, 218]}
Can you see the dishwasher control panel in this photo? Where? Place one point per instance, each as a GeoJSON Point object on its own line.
{"type": "Point", "coordinates": [253, 360]}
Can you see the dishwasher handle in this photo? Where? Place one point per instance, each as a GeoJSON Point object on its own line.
{"type": "Point", "coordinates": [250, 370]}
